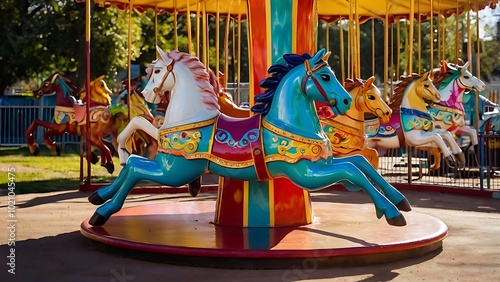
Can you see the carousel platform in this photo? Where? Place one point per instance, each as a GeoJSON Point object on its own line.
{"type": "Point", "coordinates": [340, 235]}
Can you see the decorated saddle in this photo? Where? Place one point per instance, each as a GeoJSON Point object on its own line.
{"type": "Point", "coordinates": [77, 114]}
{"type": "Point", "coordinates": [344, 138]}
{"type": "Point", "coordinates": [412, 119]}
{"type": "Point", "coordinates": [237, 143]}
{"type": "Point", "coordinates": [453, 117]}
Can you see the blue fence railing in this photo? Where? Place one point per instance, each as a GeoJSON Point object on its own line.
{"type": "Point", "coordinates": [482, 168]}
{"type": "Point", "coordinates": [15, 120]}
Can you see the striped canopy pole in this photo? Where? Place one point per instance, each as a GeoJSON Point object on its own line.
{"type": "Point", "coordinates": [276, 27]}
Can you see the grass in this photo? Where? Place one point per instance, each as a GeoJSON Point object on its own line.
{"type": "Point", "coordinates": [47, 172]}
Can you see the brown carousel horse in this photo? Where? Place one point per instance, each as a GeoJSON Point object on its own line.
{"type": "Point", "coordinates": [70, 117]}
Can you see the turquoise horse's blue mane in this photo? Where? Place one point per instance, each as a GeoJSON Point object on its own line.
{"type": "Point", "coordinates": [277, 71]}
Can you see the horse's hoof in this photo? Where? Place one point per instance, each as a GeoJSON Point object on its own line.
{"type": "Point", "coordinates": [404, 205]}
{"type": "Point", "coordinates": [96, 199]}
{"type": "Point", "coordinates": [110, 167]}
{"type": "Point", "coordinates": [194, 187]}
{"type": "Point", "coordinates": [97, 220]}
{"type": "Point", "coordinates": [450, 161]}
{"type": "Point", "coordinates": [36, 151]}
{"type": "Point", "coordinates": [94, 159]}
{"type": "Point", "coordinates": [460, 157]}
{"type": "Point", "coordinates": [397, 220]}
{"type": "Point", "coordinates": [467, 148]}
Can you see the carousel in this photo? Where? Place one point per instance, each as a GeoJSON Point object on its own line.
{"type": "Point", "coordinates": [304, 132]}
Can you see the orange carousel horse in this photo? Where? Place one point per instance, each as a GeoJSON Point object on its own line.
{"type": "Point", "coordinates": [347, 132]}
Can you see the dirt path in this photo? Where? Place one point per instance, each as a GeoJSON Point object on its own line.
{"type": "Point", "coordinates": [49, 246]}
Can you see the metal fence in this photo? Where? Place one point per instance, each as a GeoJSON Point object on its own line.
{"type": "Point", "coordinates": [413, 166]}
{"type": "Point", "coordinates": [406, 165]}
{"type": "Point", "coordinates": [15, 120]}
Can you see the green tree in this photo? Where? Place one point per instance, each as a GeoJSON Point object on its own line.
{"type": "Point", "coordinates": [42, 37]}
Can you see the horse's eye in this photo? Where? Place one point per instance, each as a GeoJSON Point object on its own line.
{"type": "Point", "coordinates": [426, 85]}
{"type": "Point", "coordinates": [157, 71]}
{"type": "Point", "coordinates": [371, 97]}
{"type": "Point", "coordinates": [466, 76]}
{"type": "Point", "coordinates": [325, 77]}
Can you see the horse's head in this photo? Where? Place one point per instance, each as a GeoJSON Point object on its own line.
{"type": "Point", "coordinates": [366, 97]}
{"type": "Point", "coordinates": [51, 84]}
{"type": "Point", "coordinates": [448, 72]}
{"type": "Point", "coordinates": [47, 87]}
{"type": "Point", "coordinates": [99, 92]}
{"type": "Point", "coordinates": [136, 86]}
{"type": "Point", "coordinates": [425, 89]}
{"type": "Point", "coordinates": [465, 79]}
{"type": "Point", "coordinates": [320, 84]}
{"type": "Point", "coordinates": [161, 78]}
{"type": "Point", "coordinates": [100, 86]}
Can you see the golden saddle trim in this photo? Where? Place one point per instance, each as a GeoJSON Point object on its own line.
{"type": "Point", "coordinates": [289, 135]}
{"type": "Point", "coordinates": [447, 109]}
{"type": "Point", "coordinates": [189, 126]}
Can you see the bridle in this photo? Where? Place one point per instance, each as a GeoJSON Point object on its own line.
{"type": "Point", "coordinates": [309, 74]}
{"type": "Point", "coordinates": [364, 95]}
{"type": "Point", "coordinates": [461, 84]}
{"type": "Point", "coordinates": [367, 105]}
{"type": "Point", "coordinates": [170, 68]}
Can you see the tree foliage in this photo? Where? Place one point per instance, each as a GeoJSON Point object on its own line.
{"type": "Point", "coordinates": [42, 37]}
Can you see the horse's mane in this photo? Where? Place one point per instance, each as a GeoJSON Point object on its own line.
{"type": "Point", "coordinates": [399, 90]}
{"type": "Point", "coordinates": [97, 97]}
{"type": "Point", "coordinates": [277, 71]}
{"type": "Point", "coordinates": [439, 76]}
{"type": "Point", "coordinates": [200, 75]}
{"type": "Point", "coordinates": [350, 84]}
{"type": "Point", "coordinates": [67, 87]}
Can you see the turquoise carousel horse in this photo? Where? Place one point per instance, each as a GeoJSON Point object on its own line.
{"type": "Point", "coordinates": [448, 113]}
{"type": "Point", "coordinates": [284, 138]}
{"type": "Point", "coordinates": [411, 123]}
{"type": "Point", "coordinates": [488, 119]}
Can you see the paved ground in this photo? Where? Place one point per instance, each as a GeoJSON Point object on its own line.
{"type": "Point", "coordinates": [49, 246]}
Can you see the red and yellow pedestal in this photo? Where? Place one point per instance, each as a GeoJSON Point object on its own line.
{"type": "Point", "coordinates": [277, 203]}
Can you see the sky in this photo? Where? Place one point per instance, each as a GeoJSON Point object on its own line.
{"type": "Point", "coordinates": [489, 17]}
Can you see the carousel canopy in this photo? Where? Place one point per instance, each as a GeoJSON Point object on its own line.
{"type": "Point", "coordinates": [327, 9]}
